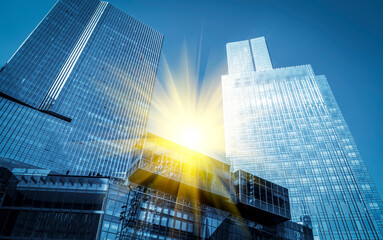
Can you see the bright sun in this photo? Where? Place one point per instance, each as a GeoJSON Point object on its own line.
{"type": "Point", "coordinates": [187, 111]}
{"type": "Point", "coordinates": [190, 137]}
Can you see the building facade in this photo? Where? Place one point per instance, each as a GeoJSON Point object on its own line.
{"type": "Point", "coordinates": [37, 204]}
{"type": "Point", "coordinates": [284, 125]}
{"type": "Point", "coordinates": [178, 193]}
{"type": "Point", "coordinates": [172, 193]}
{"type": "Point", "coordinates": [75, 96]}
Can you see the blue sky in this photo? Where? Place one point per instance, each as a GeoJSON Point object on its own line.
{"type": "Point", "coordinates": [341, 39]}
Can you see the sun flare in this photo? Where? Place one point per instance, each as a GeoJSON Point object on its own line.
{"type": "Point", "coordinates": [187, 109]}
{"type": "Point", "coordinates": [189, 136]}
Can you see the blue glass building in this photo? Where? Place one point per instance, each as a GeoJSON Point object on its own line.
{"type": "Point", "coordinates": [284, 125]}
{"type": "Point", "coordinates": [75, 96]}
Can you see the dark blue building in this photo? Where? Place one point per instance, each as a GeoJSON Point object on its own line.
{"type": "Point", "coordinates": [75, 96]}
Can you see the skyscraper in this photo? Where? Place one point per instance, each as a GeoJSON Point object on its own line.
{"type": "Point", "coordinates": [75, 96]}
{"type": "Point", "coordinates": [284, 125]}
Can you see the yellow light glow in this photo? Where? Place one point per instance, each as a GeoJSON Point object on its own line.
{"type": "Point", "coordinates": [186, 111]}
{"type": "Point", "coordinates": [190, 136]}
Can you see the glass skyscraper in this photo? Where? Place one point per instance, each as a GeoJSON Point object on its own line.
{"type": "Point", "coordinates": [285, 125]}
{"type": "Point", "coordinates": [76, 95]}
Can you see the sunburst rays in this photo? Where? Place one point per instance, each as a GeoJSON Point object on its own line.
{"type": "Point", "coordinates": [187, 108]}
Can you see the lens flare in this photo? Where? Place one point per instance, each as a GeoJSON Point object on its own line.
{"type": "Point", "coordinates": [190, 136]}
{"type": "Point", "coordinates": [187, 108]}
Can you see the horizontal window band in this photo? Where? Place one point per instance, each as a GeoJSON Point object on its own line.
{"type": "Point", "coordinates": [56, 115]}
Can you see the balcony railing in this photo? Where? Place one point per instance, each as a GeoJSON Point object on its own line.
{"type": "Point", "coordinates": [213, 184]}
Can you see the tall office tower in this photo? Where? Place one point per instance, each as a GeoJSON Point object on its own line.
{"type": "Point", "coordinates": [284, 125]}
{"type": "Point", "coordinates": [76, 94]}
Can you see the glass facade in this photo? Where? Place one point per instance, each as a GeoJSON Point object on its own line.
{"type": "Point", "coordinates": [254, 191]}
{"type": "Point", "coordinates": [177, 193]}
{"type": "Point", "coordinates": [284, 125]}
{"type": "Point", "coordinates": [175, 164]}
{"type": "Point", "coordinates": [76, 94]}
{"type": "Point", "coordinates": [36, 204]}
{"type": "Point", "coordinates": [152, 214]}
{"type": "Point", "coordinates": [177, 170]}
{"type": "Point", "coordinates": [41, 206]}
